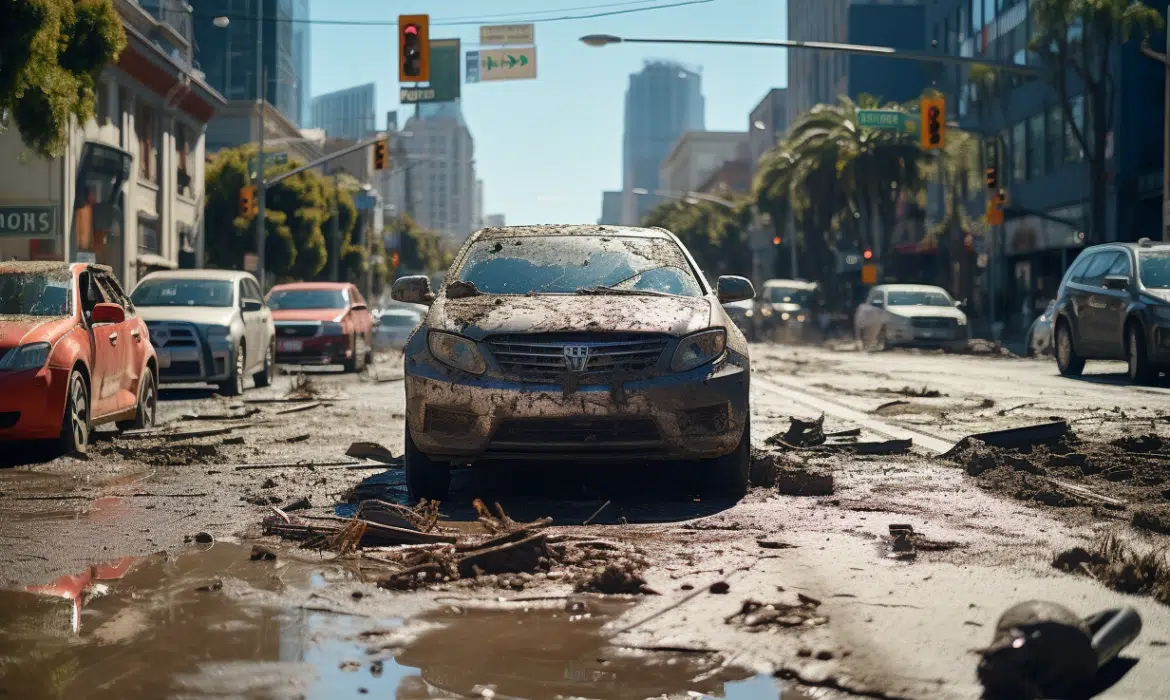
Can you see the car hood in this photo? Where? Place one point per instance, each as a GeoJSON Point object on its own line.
{"type": "Point", "coordinates": [200, 315]}
{"type": "Point", "coordinates": [18, 330]}
{"type": "Point", "coordinates": [927, 312]}
{"type": "Point", "coordinates": [307, 314]}
{"type": "Point", "coordinates": [479, 317]}
{"type": "Point", "coordinates": [1159, 294]}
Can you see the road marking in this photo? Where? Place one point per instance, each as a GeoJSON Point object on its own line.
{"type": "Point", "coordinates": [832, 408]}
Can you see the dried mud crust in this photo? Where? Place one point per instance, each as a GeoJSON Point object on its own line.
{"type": "Point", "coordinates": [1127, 474]}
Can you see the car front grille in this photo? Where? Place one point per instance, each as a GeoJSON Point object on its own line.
{"type": "Point", "coordinates": [542, 357]}
{"type": "Point", "coordinates": [581, 432]}
{"type": "Point", "coordinates": [296, 330]}
{"type": "Point", "coordinates": [172, 335]}
{"type": "Point", "coordinates": [934, 324]}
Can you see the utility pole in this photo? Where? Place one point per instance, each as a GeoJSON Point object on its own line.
{"type": "Point", "coordinates": [335, 253]}
{"type": "Point", "coordinates": [262, 84]}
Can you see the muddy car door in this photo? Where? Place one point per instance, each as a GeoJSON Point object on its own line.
{"type": "Point", "coordinates": [107, 355]}
{"type": "Point", "coordinates": [129, 341]}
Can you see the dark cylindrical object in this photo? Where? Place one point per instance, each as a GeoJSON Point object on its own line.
{"type": "Point", "coordinates": [1113, 630]}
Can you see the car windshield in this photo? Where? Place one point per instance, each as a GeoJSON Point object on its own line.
{"type": "Point", "coordinates": [787, 295]}
{"type": "Point", "coordinates": [35, 294]}
{"type": "Point", "coordinates": [398, 321]}
{"type": "Point", "coordinates": [567, 264]}
{"type": "Point", "coordinates": [918, 298]}
{"type": "Point", "coordinates": [287, 299]}
{"type": "Point", "coordinates": [1154, 269]}
{"type": "Point", "coordinates": [183, 292]}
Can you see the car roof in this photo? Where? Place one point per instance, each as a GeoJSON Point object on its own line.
{"type": "Point", "coordinates": [218, 275]}
{"type": "Point", "coordinates": [308, 286]}
{"type": "Point", "coordinates": [798, 284]}
{"type": "Point", "coordinates": [911, 288]}
{"type": "Point", "coordinates": [570, 230]}
{"type": "Point", "coordinates": [43, 266]}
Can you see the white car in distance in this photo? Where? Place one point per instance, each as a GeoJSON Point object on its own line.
{"type": "Point", "coordinates": [911, 315]}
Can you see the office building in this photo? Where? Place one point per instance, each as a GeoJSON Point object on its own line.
{"type": "Point", "coordinates": [494, 221]}
{"type": "Point", "coordinates": [663, 100]}
{"type": "Point", "coordinates": [302, 59]}
{"type": "Point", "coordinates": [611, 208]}
{"type": "Point", "coordinates": [697, 155]}
{"type": "Point", "coordinates": [348, 113]}
{"type": "Point", "coordinates": [767, 123]}
{"type": "Point", "coordinates": [440, 173]}
{"type": "Point", "coordinates": [227, 55]}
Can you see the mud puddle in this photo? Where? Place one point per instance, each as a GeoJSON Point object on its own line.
{"type": "Point", "coordinates": [214, 623]}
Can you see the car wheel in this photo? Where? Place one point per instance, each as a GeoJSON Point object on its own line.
{"type": "Point", "coordinates": [147, 411]}
{"type": "Point", "coordinates": [729, 475]}
{"type": "Point", "coordinates": [263, 378]}
{"type": "Point", "coordinates": [425, 478]}
{"type": "Point", "coordinates": [234, 386]}
{"type": "Point", "coordinates": [76, 424]}
{"type": "Point", "coordinates": [1068, 361]}
{"type": "Point", "coordinates": [1141, 370]}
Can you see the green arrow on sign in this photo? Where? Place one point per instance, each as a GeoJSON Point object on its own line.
{"type": "Point", "coordinates": [511, 61]}
{"type": "Point", "coordinates": [523, 60]}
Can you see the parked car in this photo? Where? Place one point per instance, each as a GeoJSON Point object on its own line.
{"type": "Point", "coordinates": [911, 315]}
{"type": "Point", "coordinates": [594, 343]}
{"type": "Point", "coordinates": [790, 310]}
{"type": "Point", "coordinates": [209, 327]}
{"type": "Point", "coordinates": [394, 327]}
{"type": "Point", "coordinates": [1114, 304]}
{"type": "Point", "coordinates": [1039, 338]}
{"type": "Point", "coordinates": [743, 315]}
{"type": "Point", "coordinates": [73, 354]}
{"type": "Point", "coordinates": [323, 323]}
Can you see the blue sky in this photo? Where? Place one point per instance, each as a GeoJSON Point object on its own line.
{"type": "Point", "coordinates": [546, 148]}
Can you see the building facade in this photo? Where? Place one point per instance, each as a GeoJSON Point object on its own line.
{"type": "Point", "coordinates": [303, 62]}
{"type": "Point", "coordinates": [767, 123]}
{"type": "Point", "coordinates": [227, 55]}
{"type": "Point", "coordinates": [495, 221]}
{"type": "Point", "coordinates": [697, 155]}
{"type": "Point", "coordinates": [439, 172]}
{"type": "Point", "coordinates": [348, 113]}
{"type": "Point", "coordinates": [238, 123]}
{"type": "Point", "coordinates": [816, 77]}
{"type": "Point", "coordinates": [663, 100]}
{"type": "Point", "coordinates": [128, 191]}
{"type": "Point", "coordinates": [611, 208]}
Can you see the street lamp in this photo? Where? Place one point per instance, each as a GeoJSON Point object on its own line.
{"type": "Point", "coordinates": [222, 22]}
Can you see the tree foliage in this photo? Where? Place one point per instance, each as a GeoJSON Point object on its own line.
{"type": "Point", "coordinates": [421, 251]}
{"type": "Point", "coordinates": [717, 236]}
{"type": "Point", "coordinates": [1075, 40]}
{"type": "Point", "coordinates": [51, 53]}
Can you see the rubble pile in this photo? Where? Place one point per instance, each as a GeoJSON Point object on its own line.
{"type": "Point", "coordinates": [1121, 564]}
{"type": "Point", "coordinates": [800, 611]}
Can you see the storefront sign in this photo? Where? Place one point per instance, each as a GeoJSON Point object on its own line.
{"type": "Point", "coordinates": [29, 221]}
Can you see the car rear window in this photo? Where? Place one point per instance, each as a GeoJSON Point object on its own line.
{"type": "Point", "coordinates": [1154, 269]}
{"type": "Point", "coordinates": [566, 264]}
{"type": "Point", "coordinates": [183, 292]}
{"type": "Point", "coordinates": [287, 299]}
{"type": "Point", "coordinates": [40, 294]}
{"type": "Point", "coordinates": [918, 298]}
{"type": "Point", "coordinates": [786, 295]}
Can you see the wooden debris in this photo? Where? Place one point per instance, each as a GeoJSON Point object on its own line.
{"type": "Point", "coordinates": [890, 404]}
{"type": "Point", "coordinates": [374, 451]}
{"type": "Point", "coordinates": [247, 413]}
{"type": "Point", "coordinates": [298, 465]}
{"type": "Point", "coordinates": [179, 435]}
{"type": "Point", "coordinates": [511, 557]}
{"type": "Point", "coordinates": [423, 517]}
{"type": "Point", "coordinates": [299, 438]}
{"type": "Point", "coordinates": [1085, 494]}
{"type": "Point", "coordinates": [597, 513]}
{"type": "Point", "coordinates": [298, 409]}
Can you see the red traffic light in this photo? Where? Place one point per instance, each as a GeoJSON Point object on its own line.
{"type": "Point", "coordinates": [775, 240]}
{"type": "Point", "coordinates": [411, 29]}
{"type": "Point", "coordinates": [868, 255]}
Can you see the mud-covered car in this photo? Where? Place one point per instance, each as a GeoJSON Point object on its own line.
{"type": "Point", "coordinates": [583, 343]}
{"type": "Point", "coordinates": [322, 323]}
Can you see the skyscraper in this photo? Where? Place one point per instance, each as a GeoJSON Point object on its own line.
{"type": "Point", "coordinates": [302, 58]}
{"type": "Point", "coordinates": [663, 100]}
{"type": "Point", "coordinates": [348, 113]}
{"type": "Point", "coordinates": [440, 178]}
{"type": "Point", "coordinates": [227, 55]}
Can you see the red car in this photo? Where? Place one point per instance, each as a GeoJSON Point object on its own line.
{"type": "Point", "coordinates": [73, 354]}
{"type": "Point", "coordinates": [322, 323]}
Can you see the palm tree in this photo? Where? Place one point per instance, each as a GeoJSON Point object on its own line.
{"type": "Point", "coordinates": [959, 172]}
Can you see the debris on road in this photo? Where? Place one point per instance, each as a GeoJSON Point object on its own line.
{"type": "Point", "coordinates": [923, 393]}
{"type": "Point", "coordinates": [596, 513]}
{"type": "Point", "coordinates": [755, 616]}
{"type": "Point", "coordinates": [231, 415]}
{"type": "Point", "coordinates": [618, 578]}
{"type": "Point", "coordinates": [902, 542]}
{"type": "Point", "coordinates": [260, 553]}
{"type": "Point", "coordinates": [800, 433]}
{"type": "Point", "coordinates": [374, 451]}
{"type": "Point", "coordinates": [298, 408]}
{"type": "Point", "coordinates": [299, 438]}
{"type": "Point", "coordinates": [174, 436]}
{"type": "Point", "coordinates": [1119, 564]}
{"type": "Point", "coordinates": [890, 404]}
{"type": "Point", "coordinates": [804, 482]}
{"type": "Point", "coordinates": [302, 503]}
{"type": "Point", "coordinates": [1028, 436]}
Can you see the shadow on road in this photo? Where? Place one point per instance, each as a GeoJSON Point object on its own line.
{"type": "Point", "coordinates": [568, 494]}
{"type": "Point", "coordinates": [1112, 673]}
{"type": "Point", "coordinates": [185, 393]}
{"type": "Point", "coordinates": [1120, 379]}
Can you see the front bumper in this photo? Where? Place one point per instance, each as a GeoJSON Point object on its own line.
{"type": "Point", "coordinates": [313, 350]}
{"type": "Point", "coordinates": [186, 355]}
{"type": "Point", "coordinates": [927, 337]}
{"type": "Point", "coordinates": [32, 403]}
{"type": "Point", "coordinates": [690, 415]}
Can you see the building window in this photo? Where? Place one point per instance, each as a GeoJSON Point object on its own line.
{"type": "Point", "coordinates": [103, 110]}
{"type": "Point", "coordinates": [182, 158]}
{"type": "Point", "coordinates": [1005, 153]}
{"type": "Point", "coordinates": [1019, 152]}
{"type": "Point", "coordinates": [1072, 147]}
{"type": "Point", "coordinates": [1036, 146]}
{"type": "Point", "coordinates": [144, 128]}
{"type": "Point", "coordinates": [148, 239]}
{"type": "Point", "coordinates": [1054, 152]}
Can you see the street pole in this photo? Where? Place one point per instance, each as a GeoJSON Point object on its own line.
{"type": "Point", "coordinates": [1166, 141]}
{"type": "Point", "coordinates": [262, 81]}
{"type": "Point", "coordinates": [334, 263]}
{"type": "Point", "coordinates": [792, 245]}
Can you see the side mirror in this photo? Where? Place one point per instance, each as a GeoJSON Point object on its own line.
{"type": "Point", "coordinates": [877, 303]}
{"type": "Point", "coordinates": [414, 289]}
{"type": "Point", "coordinates": [733, 288]}
{"type": "Point", "coordinates": [107, 313]}
{"type": "Point", "coordinates": [1118, 282]}
{"type": "Point", "coordinates": [252, 305]}
{"type": "Point", "coordinates": [960, 303]}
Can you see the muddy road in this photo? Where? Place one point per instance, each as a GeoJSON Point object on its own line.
{"type": "Point", "coordinates": [158, 567]}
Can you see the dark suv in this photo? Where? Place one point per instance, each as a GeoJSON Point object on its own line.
{"type": "Point", "coordinates": [1114, 304]}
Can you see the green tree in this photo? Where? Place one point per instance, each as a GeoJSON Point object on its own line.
{"type": "Point", "coordinates": [716, 235]}
{"type": "Point", "coordinates": [420, 250]}
{"type": "Point", "coordinates": [1075, 40]}
{"type": "Point", "coordinates": [959, 171]}
{"type": "Point", "coordinates": [51, 53]}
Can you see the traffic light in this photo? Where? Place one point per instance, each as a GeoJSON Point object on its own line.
{"type": "Point", "coordinates": [414, 49]}
{"type": "Point", "coordinates": [381, 155]}
{"type": "Point", "coordinates": [992, 179]}
{"type": "Point", "coordinates": [868, 255]}
{"type": "Point", "coordinates": [395, 258]}
{"type": "Point", "coordinates": [934, 122]}
{"type": "Point", "coordinates": [249, 205]}
{"type": "Point", "coordinates": [775, 240]}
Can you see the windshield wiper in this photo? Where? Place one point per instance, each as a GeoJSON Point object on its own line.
{"type": "Point", "coordinates": [602, 290]}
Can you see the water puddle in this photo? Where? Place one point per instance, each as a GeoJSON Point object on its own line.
{"type": "Point", "coordinates": [212, 624]}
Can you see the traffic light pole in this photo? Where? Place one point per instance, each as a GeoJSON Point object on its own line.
{"type": "Point", "coordinates": [261, 84]}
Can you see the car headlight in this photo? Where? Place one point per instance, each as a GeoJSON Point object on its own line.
{"type": "Point", "coordinates": [765, 311]}
{"type": "Point", "coordinates": [784, 316]}
{"type": "Point", "coordinates": [800, 318]}
{"type": "Point", "coordinates": [748, 313]}
{"type": "Point", "coordinates": [331, 328]}
{"type": "Point", "coordinates": [698, 349]}
{"type": "Point", "coordinates": [1162, 312]}
{"type": "Point", "coordinates": [457, 351]}
{"type": "Point", "coordinates": [31, 356]}
{"type": "Point", "coordinates": [962, 320]}
{"type": "Point", "coordinates": [218, 334]}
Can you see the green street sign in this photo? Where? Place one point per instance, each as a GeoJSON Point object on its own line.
{"type": "Point", "coordinates": [446, 73]}
{"type": "Point", "coordinates": [270, 159]}
{"type": "Point", "coordinates": [881, 119]}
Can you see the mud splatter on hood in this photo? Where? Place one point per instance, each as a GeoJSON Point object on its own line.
{"type": "Point", "coordinates": [19, 330]}
{"type": "Point", "coordinates": [481, 316]}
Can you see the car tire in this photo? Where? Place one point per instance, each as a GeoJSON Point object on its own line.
{"type": "Point", "coordinates": [77, 422]}
{"type": "Point", "coordinates": [1140, 369]}
{"type": "Point", "coordinates": [234, 386]}
{"type": "Point", "coordinates": [353, 364]}
{"type": "Point", "coordinates": [1068, 361]}
{"type": "Point", "coordinates": [425, 478]}
{"type": "Point", "coordinates": [729, 475]}
{"type": "Point", "coordinates": [263, 378]}
{"type": "Point", "coordinates": [147, 411]}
